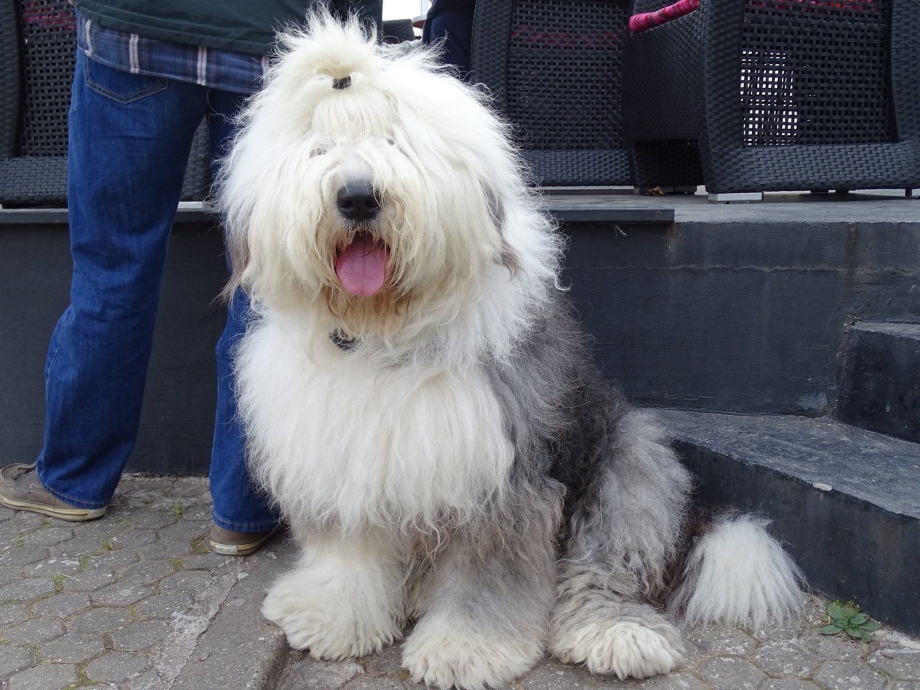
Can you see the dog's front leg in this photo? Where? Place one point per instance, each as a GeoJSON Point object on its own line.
{"type": "Point", "coordinates": [484, 603]}
{"type": "Point", "coordinates": [345, 598]}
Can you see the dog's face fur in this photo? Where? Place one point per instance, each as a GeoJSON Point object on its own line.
{"type": "Point", "coordinates": [441, 181]}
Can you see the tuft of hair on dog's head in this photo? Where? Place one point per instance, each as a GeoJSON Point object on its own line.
{"type": "Point", "coordinates": [330, 46]}
{"type": "Point", "coordinates": [453, 204]}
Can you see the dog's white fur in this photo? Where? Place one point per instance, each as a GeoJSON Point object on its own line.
{"type": "Point", "coordinates": [346, 597]}
{"type": "Point", "coordinates": [464, 151]}
{"type": "Point", "coordinates": [737, 574]}
{"type": "Point", "coordinates": [446, 652]}
{"type": "Point", "coordinates": [422, 467]}
{"type": "Point", "coordinates": [362, 444]}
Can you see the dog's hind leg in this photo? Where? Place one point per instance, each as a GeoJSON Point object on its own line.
{"type": "Point", "coordinates": [622, 536]}
{"type": "Point", "coordinates": [346, 597]}
{"type": "Point", "coordinates": [484, 603]}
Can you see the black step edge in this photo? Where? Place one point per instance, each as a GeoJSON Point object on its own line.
{"type": "Point", "coordinates": [879, 378]}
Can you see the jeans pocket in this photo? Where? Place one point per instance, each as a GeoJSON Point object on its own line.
{"type": "Point", "coordinates": [119, 86]}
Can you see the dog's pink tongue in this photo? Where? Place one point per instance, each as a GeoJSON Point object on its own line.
{"type": "Point", "coordinates": [362, 266]}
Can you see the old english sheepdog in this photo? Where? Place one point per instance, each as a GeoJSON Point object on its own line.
{"type": "Point", "coordinates": [421, 403]}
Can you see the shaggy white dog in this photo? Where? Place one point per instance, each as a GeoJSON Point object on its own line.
{"type": "Point", "coordinates": [420, 403]}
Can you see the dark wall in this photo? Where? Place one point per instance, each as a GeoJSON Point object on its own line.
{"type": "Point", "coordinates": [738, 317]}
{"type": "Point", "coordinates": [718, 316]}
{"type": "Point", "coordinates": [177, 418]}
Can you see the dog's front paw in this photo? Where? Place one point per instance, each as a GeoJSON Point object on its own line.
{"type": "Point", "coordinates": [327, 623]}
{"type": "Point", "coordinates": [446, 653]}
{"type": "Point", "coordinates": [628, 647]}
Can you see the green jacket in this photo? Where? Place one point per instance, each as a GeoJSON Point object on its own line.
{"type": "Point", "coordinates": [246, 26]}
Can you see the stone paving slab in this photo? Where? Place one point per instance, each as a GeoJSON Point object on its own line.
{"type": "Point", "coordinates": [136, 601]}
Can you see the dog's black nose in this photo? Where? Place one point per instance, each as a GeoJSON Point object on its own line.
{"type": "Point", "coordinates": [358, 201]}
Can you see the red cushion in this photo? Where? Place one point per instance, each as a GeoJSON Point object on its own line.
{"type": "Point", "coordinates": [646, 20]}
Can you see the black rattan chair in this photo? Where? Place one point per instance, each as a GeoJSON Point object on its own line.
{"type": "Point", "coordinates": [37, 52]}
{"type": "Point", "coordinates": [397, 31]}
{"type": "Point", "coordinates": [778, 94]}
{"type": "Point", "coordinates": [36, 68]}
{"type": "Point", "coordinates": [554, 68]}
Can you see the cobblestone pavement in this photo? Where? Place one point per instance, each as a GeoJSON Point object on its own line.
{"type": "Point", "coordinates": [118, 602]}
{"type": "Point", "coordinates": [719, 658]}
{"type": "Point", "coordinates": [136, 601]}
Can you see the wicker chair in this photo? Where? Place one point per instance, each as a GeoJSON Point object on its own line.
{"type": "Point", "coordinates": [37, 52]}
{"type": "Point", "coordinates": [554, 68]}
{"type": "Point", "coordinates": [36, 68]}
{"type": "Point", "coordinates": [778, 95]}
{"type": "Point", "coordinates": [397, 31]}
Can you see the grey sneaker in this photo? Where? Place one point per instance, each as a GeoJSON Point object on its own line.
{"type": "Point", "coordinates": [21, 489]}
{"type": "Point", "coordinates": [228, 543]}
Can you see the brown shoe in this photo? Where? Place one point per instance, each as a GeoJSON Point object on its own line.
{"type": "Point", "coordinates": [228, 543]}
{"type": "Point", "coordinates": [21, 489]}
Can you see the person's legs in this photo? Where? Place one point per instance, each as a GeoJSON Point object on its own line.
{"type": "Point", "coordinates": [368, 10]}
{"type": "Point", "coordinates": [239, 506]}
{"type": "Point", "coordinates": [452, 21]}
{"type": "Point", "coordinates": [130, 137]}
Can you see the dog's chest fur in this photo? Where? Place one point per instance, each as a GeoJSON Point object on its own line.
{"type": "Point", "coordinates": [342, 440]}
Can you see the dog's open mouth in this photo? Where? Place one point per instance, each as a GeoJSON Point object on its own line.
{"type": "Point", "coordinates": [362, 265]}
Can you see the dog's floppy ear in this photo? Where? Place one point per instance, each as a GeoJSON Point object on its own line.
{"type": "Point", "coordinates": [496, 207]}
{"type": "Point", "coordinates": [238, 251]}
{"type": "Point", "coordinates": [508, 257]}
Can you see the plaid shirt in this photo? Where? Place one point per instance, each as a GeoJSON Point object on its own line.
{"type": "Point", "coordinates": [216, 69]}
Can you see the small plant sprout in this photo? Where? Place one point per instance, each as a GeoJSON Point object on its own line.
{"type": "Point", "coordinates": [849, 619]}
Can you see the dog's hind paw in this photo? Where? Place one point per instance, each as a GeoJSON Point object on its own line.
{"type": "Point", "coordinates": [627, 647]}
{"type": "Point", "coordinates": [444, 655]}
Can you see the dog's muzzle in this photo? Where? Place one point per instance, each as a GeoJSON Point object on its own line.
{"type": "Point", "coordinates": [361, 265]}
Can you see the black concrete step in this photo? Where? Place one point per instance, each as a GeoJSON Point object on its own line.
{"type": "Point", "coordinates": [743, 308]}
{"type": "Point", "coordinates": [590, 205]}
{"type": "Point", "coordinates": [690, 304]}
{"type": "Point", "coordinates": [880, 378]}
{"type": "Point", "coordinates": [844, 500]}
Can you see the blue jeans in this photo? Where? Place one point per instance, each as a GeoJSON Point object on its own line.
{"type": "Point", "coordinates": [452, 20]}
{"type": "Point", "coordinates": [130, 137]}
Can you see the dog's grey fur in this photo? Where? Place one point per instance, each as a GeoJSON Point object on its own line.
{"type": "Point", "coordinates": [595, 488]}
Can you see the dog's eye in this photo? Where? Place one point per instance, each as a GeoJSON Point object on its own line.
{"type": "Point", "coordinates": [392, 142]}
{"type": "Point", "coordinates": [317, 151]}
